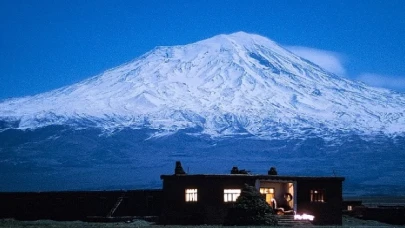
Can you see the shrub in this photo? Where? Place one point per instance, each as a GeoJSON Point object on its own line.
{"type": "Point", "coordinates": [250, 209]}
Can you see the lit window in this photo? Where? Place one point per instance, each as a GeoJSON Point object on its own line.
{"type": "Point", "coordinates": [191, 195]}
{"type": "Point", "coordinates": [267, 190]}
{"type": "Point", "coordinates": [317, 195]}
{"type": "Point", "coordinates": [268, 194]}
{"type": "Point", "coordinates": [349, 208]}
{"type": "Point", "coordinates": [230, 195]}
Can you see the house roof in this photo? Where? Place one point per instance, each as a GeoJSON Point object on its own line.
{"type": "Point", "coordinates": [250, 176]}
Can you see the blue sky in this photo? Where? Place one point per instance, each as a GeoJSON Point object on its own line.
{"type": "Point", "coordinates": [47, 44]}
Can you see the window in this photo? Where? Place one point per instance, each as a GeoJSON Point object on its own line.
{"type": "Point", "coordinates": [318, 195]}
{"type": "Point", "coordinates": [191, 195]}
{"type": "Point", "coordinates": [230, 195]}
{"type": "Point", "coordinates": [349, 207]}
{"type": "Point", "coordinates": [268, 194]}
{"type": "Point", "coordinates": [267, 190]}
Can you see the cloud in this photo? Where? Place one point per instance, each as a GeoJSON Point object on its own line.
{"type": "Point", "coordinates": [335, 63]}
{"type": "Point", "coordinates": [329, 60]}
{"type": "Point", "coordinates": [385, 81]}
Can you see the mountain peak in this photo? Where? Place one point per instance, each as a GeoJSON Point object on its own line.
{"type": "Point", "coordinates": [244, 37]}
{"type": "Point", "coordinates": [240, 39]}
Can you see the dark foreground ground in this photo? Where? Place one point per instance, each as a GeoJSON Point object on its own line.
{"type": "Point", "coordinates": [379, 200]}
{"type": "Point", "coordinates": [347, 222]}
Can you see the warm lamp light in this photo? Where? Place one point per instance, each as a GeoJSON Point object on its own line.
{"type": "Point", "coordinates": [304, 217]}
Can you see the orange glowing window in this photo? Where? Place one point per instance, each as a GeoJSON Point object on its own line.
{"type": "Point", "coordinates": [318, 195]}
{"type": "Point", "coordinates": [268, 194]}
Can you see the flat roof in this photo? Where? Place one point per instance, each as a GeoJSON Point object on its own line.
{"type": "Point", "coordinates": [252, 176]}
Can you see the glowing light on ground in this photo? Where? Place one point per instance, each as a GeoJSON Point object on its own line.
{"type": "Point", "coordinates": [304, 217]}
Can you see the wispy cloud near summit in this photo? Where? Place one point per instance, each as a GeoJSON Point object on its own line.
{"type": "Point", "coordinates": [329, 60]}
{"type": "Point", "coordinates": [386, 81]}
{"type": "Point", "coordinates": [336, 63]}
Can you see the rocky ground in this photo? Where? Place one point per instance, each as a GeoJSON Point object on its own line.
{"type": "Point", "coordinates": [347, 222]}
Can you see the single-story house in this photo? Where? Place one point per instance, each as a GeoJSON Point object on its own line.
{"type": "Point", "coordinates": [206, 198]}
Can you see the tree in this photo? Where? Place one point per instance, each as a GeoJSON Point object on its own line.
{"type": "Point", "coordinates": [250, 209]}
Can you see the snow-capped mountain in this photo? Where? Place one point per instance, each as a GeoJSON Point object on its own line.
{"type": "Point", "coordinates": [231, 100]}
{"type": "Point", "coordinates": [228, 84]}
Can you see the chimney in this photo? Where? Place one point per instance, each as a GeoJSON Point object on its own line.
{"type": "Point", "coordinates": [235, 170]}
{"type": "Point", "coordinates": [272, 171]}
{"type": "Point", "coordinates": [179, 169]}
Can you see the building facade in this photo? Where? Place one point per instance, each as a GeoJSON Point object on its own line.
{"type": "Point", "coordinates": [205, 199]}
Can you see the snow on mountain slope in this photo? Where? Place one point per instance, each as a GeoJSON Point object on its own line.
{"type": "Point", "coordinates": [229, 84]}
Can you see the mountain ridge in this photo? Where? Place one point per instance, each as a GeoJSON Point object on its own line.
{"type": "Point", "coordinates": [225, 85]}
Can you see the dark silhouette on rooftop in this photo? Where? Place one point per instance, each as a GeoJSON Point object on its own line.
{"type": "Point", "coordinates": [179, 169]}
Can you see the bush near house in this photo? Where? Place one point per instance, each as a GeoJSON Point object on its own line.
{"type": "Point", "coordinates": [250, 209]}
